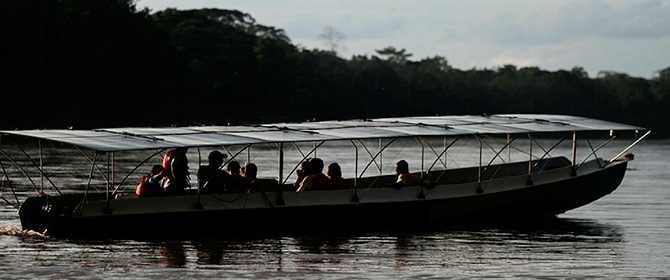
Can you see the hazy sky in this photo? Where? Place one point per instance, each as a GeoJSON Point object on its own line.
{"type": "Point", "coordinates": [613, 35]}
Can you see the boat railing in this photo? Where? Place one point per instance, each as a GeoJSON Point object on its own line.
{"type": "Point", "coordinates": [465, 175]}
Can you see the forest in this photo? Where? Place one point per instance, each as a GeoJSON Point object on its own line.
{"type": "Point", "coordinates": [105, 63]}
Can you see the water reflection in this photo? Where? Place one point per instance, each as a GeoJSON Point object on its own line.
{"type": "Point", "coordinates": [209, 252]}
{"type": "Point", "coordinates": [549, 229]}
{"type": "Point", "coordinates": [173, 254]}
{"type": "Point", "coordinates": [553, 239]}
{"type": "Point", "coordinates": [502, 249]}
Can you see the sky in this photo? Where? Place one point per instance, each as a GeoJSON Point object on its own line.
{"type": "Point", "coordinates": [631, 37]}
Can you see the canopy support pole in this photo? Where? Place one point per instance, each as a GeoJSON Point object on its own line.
{"type": "Point", "coordinates": [373, 158]}
{"type": "Point", "coordinates": [91, 161]}
{"type": "Point", "coordinates": [540, 146]}
{"type": "Point", "coordinates": [530, 160]}
{"type": "Point", "coordinates": [304, 157]}
{"type": "Point", "coordinates": [113, 170]}
{"type": "Point", "coordinates": [108, 210]}
{"type": "Point", "coordinates": [509, 149]}
{"type": "Point", "coordinates": [497, 154]}
{"type": "Point", "coordinates": [479, 173]}
{"type": "Point", "coordinates": [298, 149]}
{"type": "Point", "coordinates": [446, 148]}
{"type": "Point", "coordinates": [434, 152]}
{"type": "Point", "coordinates": [355, 198]}
{"type": "Point", "coordinates": [593, 151]}
{"type": "Point", "coordinates": [519, 150]}
{"type": "Point", "coordinates": [493, 150]}
{"type": "Point", "coordinates": [197, 205]}
{"type": "Point", "coordinates": [446, 160]}
{"type": "Point", "coordinates": [423, 156]}
{"type": "Point", "coordinates": [233, 156]}
{"type": "Point", "coordinates": [421, 195]}
{"type": "Point", "coordinates": [631, 146]}
{"type": "Point", "coordinates": [39, 169]}
{"type": "Point", "coordinates": [381, 165]}
{"type": "Point", "coordinates": [80, 211]}
{"type": "Point", "coordinates": [280, 194]}
{"type": "Point", "coordinates": [550, 149]}
{"type": "Point", "coordinates": [22, 171]}
{"type": "Point", "coordinates": [6, 175]}
{"type": "Point", "coordinates": [199, 156]}
{"type": "Point", "coordinates": [574, 154]}
{"type": "Point", "coordinates": [39, 144]}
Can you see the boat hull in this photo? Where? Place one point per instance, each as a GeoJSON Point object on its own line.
{"type": "Point", "coordinates": [517, 197]}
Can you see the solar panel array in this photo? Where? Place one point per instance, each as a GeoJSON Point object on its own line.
{"type": "Point", "coordinates": [142, 138]}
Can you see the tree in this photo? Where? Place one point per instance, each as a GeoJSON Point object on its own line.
{"type": "Point", "coordinates": [661, 83]}
{"type": "Point", "coordinates": [393, 55]}
{"type": "Point", "coordinates": [332, 38]}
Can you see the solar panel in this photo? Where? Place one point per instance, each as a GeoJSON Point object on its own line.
{"type": "Point", "coordinates": [138, 138]}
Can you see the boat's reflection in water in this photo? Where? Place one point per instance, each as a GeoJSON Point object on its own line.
{"type": "Point", "coordinates": [575, 242]}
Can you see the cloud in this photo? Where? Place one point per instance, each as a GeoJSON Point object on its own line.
{"type": "Point", "coordinates": [639, 20]}
{"type": "Point", "coordinates": [578, 19]}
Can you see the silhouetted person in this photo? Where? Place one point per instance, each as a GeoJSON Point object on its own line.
{"type": "Point", "coordinates": [234, 169]}
{"type": "Point", "coordinates": [335, 174]}
{"type": "Point", "coordinates": [250, 172]}
{"type": "Point", "coordinates": [304, 171]}
{"type": "Point", "coordinates": [249, 179]}
{"type": "Point", "coordinates": [211, 179]}
{"type": "Point", "coordinates": [405, 178]}
{"type": "Point", "coordinates": [235, 182]}
{"type": "Point", "coordinates": [151, 183]}
{"type": "Point", "coordinates": [175, 166]}
{"type": "Point", "coordinates": [317, 181]}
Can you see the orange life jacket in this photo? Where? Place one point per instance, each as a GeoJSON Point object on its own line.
{"type": "Point", "coordinates": [166, 159]}
{"type": "Point", "coordinates": [320, 182]}
{"type": "Point", "coordinates": [147, 188]}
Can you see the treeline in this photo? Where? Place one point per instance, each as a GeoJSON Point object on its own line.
{"type": "Point", "coordinates": [103, 63]}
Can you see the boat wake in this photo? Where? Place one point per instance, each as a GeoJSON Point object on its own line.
{"type": "Point", "coordinates": [17, 231]}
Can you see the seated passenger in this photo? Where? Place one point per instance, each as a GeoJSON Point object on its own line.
{"type": "Point", "coordinates": [234, 169]}
{"type": "Point", "coordinates": [150, 184]}
{"type": "Point", "coordinates": [303, 172]}
{"type": "Point", "coordinates": [316, 181]}
{"type": "Point", "coordinates": [335, 174]}
{"type": "Point", "coordinates": [405, 178]}
{"type": "Point", "coordinates": [235, 182]}
{"type": "Point", "coordinates": [175, 166]}
{"type": "Point", "coordinates": [249, 178]}
{"type": "Point", "coordinates": [211, 179]}
{"type": "Point", "coordinates": [250, 172]}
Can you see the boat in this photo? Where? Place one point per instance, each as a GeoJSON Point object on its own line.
{"type": "Point", "coordinates": [497, 187]}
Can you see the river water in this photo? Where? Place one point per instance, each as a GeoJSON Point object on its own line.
{"type": "Point", "coordinates": [625, 234]}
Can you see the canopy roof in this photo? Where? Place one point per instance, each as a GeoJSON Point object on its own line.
{"type": "Point", "coordinates": [138, 138]}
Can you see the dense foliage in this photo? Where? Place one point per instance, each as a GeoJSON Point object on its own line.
{"type": "Point", "coordinates": [103, 63]}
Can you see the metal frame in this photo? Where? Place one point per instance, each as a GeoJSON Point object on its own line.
{"type": "Point", "coordinates": [112, 188]}
{"type": "Point", "coordinates": [39, 168]}
{"type": "Point", "coordinates": [630, 146]}
{"type": "Point", "coordinates": [304, 157]}
{"type": "Point", "coordinates": [11, 187]}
